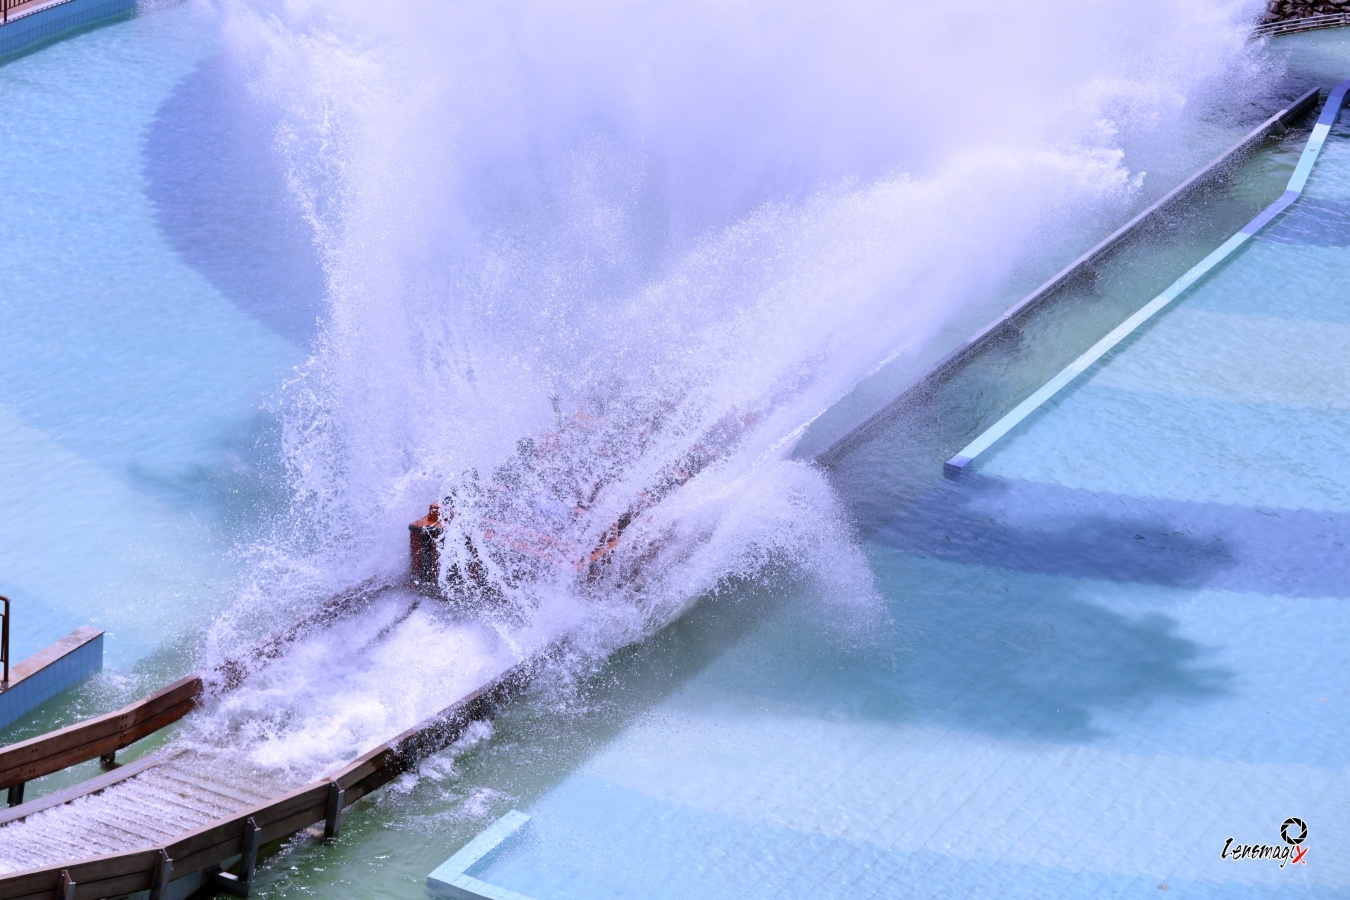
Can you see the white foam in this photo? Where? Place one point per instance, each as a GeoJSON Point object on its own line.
{"type": "Point", "coordinates": [666, 217]}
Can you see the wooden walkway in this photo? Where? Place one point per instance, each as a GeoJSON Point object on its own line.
{"type": "Point", "coordinates": [177, 793]}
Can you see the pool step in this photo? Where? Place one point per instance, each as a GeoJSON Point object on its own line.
{"type": "Point", "coordinates": [48, 672]}
{"type": "Point", "coordinates": [451, 878]}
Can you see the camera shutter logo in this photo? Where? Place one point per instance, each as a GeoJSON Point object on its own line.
{"type": "Point", "coordinates": [1293, 832]}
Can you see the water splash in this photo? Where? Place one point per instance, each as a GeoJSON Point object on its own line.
{"type": "Point", "coordinates": [569, 249]}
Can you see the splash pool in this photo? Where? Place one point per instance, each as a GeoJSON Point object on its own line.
{"type": "Point", "coordinates": [1030, 714]}
{"type": "Point", "coordinates": [1131, 609]}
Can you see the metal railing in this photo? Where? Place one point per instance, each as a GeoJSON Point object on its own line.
{"type": "Point", "coordinates": [4, 630]}
{"type": "Point", "coordinates": [1307, 23]}
{"type": "Point", "coordinates": [26, 6]}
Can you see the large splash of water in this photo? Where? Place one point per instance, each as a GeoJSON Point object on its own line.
{"type": "Point", "coordinates": [635, 234]}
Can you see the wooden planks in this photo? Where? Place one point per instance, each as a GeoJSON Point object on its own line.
{"type": "Point", "coordinates": [88, 740]}
{"type": "Point", "coordinates": [1307, 23]}
{"type": "Point", "coordinates": [57, 750]}
{"type": "Point", "coordinates": [204, 848]}
{"type": "Point", "coordinates": [84, 788]}
{"type": "Point", "coordinates": [219, 841]}
{"type": "Point", "coordinates": [102, 876]}
{"type": "Point", "coordinates": [214, 843]}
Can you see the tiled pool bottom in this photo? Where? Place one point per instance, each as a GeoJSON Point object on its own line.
{"type": "Point", "coordinates": [1019, 734]}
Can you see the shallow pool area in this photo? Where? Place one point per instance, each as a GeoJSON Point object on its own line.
{"type": "Point", "coordinates": [1112, 645]}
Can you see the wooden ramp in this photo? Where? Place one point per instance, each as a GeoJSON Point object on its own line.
{"type": "Point", "coordinates": [170, 823]}
{"type": "Point", "coordinates": [140, 806]}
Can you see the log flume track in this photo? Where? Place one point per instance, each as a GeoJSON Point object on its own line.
{"type": "Point", "coordinates": [175, 821]}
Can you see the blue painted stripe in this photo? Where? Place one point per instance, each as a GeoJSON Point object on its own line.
{"type": "Point", "coordinates": [1297, 182]}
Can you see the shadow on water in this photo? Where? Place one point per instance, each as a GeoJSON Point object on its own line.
{"type": "Point", "coordinates": [1056, 530]}
{"type": "Point", "coordinates": [1000, 589]}
{"type": "Point", "coordinates": [1033, 658]}
{"type": "Point", "coordinates": [227, 210]}
{"type": "Point", "coordinates": [1015, 645]}
{"type": "Point", "coordinates": [964, 647]}
{"type": "Point", "coordinates": [242, 488]}
{"type": "Point", "coordinates": [229, 215]}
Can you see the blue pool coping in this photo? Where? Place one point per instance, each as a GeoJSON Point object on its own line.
{"type": "Point", "coordinates": [450, 878]}
{"type": "Point", "coordinates": [986, 336]}
{"type": "Point", "coordinates": [33, 29]}
{"type": "Point", "coordinates": [48, 672]}
{"type": "Point", "coordinates": [1311, 151]}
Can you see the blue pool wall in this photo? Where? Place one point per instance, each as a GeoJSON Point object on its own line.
{"type": "Point", "coordinates": [51, 23]}
{"type": "Point", "coordinates": [65, 671]}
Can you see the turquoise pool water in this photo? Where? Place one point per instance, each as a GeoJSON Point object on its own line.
{"type": "Point", "coordinates": [1049, 705]}
{"type": "Point", "coordinates": [135, 373]}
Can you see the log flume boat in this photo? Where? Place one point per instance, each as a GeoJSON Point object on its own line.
{"type": "Point", "coordinates": [191, 819]}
